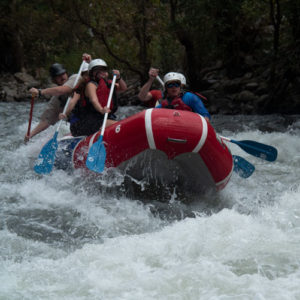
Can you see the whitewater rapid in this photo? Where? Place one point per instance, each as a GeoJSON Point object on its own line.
{"type": "Point", "coordinates": [63, 236]}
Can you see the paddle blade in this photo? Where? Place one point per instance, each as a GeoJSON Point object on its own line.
{"type": "Point", "coordinates": [96, 157]}
{"type": "Point", "coordinates": [257, 149]}
{"type": "Point", "coordinates": [45, 160]}
{"type": "Point", "coordinates": [242, 166]}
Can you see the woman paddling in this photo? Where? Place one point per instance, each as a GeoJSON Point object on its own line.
{"type": "Point", "coordinates": [90, 99]}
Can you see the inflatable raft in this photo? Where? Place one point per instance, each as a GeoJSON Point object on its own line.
{"type": "Point", "coordinates": [166, 145]}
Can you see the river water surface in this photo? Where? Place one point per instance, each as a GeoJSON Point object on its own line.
{"type": "Point", "coordinates": [65, 236]}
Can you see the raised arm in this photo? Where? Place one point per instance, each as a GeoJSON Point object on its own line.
{"type": "Point", "coordinates": [121, 85]}
{"type": "Point", "coordinates": [87, 57]}
{"type": "Point", "coordinates": [144, 94]}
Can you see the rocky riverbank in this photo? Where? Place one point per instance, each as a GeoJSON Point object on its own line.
{"type": "Point", "coordinates": [246, 94]}
{"type": "Point", "coordinates": [14, 87]}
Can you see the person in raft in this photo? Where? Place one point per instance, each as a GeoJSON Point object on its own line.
{"type": "Point", "coordinates": [59, 94]}
{"type": "Point", "coordinates": [89, 104]}
{"type": "Point", "coordinates": [174, 97]}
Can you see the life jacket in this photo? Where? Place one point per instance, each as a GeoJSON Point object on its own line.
{"type": "Point", "coordinates": [102, 91]}
{"type": "Point", "coordinates": [175, 103]}
{"type": "Point", "coordinates": [84, 106]}
{"type": "Point", "coordinates": [178, 103]}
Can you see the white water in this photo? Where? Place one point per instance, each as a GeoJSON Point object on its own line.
{"type": "Point", "coordinates": [67, 237]}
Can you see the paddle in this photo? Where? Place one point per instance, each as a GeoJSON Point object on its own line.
{"type": "Point", "coordinates": [30, 115]}
{"type": "Point", "coordinates": [260, 150]}
{"type": "Point", "coordinates": [160, 81]}
{"type": "Point", "coordinates": [46, 158]}
{"type": "Point", "coordinates": [163, 86]}
{"type": "Point", "coordinates": [242, 166]}
{"type": "Point", "coordinates": [97, 153]}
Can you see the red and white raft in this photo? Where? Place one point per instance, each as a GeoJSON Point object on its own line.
{"type": "Point", "coordinates": [174, 146]}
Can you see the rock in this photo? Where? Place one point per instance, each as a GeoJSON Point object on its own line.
{"type": "Point", "coordinates": [26, 79]}
{"type": "Point", "coordinates": [2, 95]}
{"type": "Point", "coordinates": [249, 109]}
{"type": "Point", "coordinates": [265, 74]}
{"type": "Point", "coordinates": [216, 86]}
{"type": "Point", "coordinates": [232, 86]}
{"type": "Point", "coordinates": [129, 97]}
{"type": "Point", "coordinates": [249, 60]}
{"type": "Point", "coordinates": [262, 89]}
{"type": "Point", "coordinates": [213, 109]}
{"type": "Point", "coordinates": [246, 96]}
{"type": "Point", "coordinates": [223, 105]}
{"type": "Point", "coordinates": [248, 75]}
{"type": "Point", "coordinates": [251, 86]}
{"type": "Point", "coordinates": [211, 81]}
{"type": "Point", "coordinates": [262, 99]}
{"type": "Point", "coordinates": [15, 87]}
{"type": "Point", "coordinates": [209, 94]}
{"type": "Point", "coordinates": [10, 94]}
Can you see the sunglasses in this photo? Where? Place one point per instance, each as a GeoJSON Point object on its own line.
{"type": "Point", "coordinates": [173, 84]}
{"type": "Point", "coordinates": [100, 69]}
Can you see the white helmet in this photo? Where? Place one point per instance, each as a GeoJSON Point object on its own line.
{"type": "Point", "coordinates": [85, 67]}
{"type": "Point", "coordinates": [97, 63]}
{"type": "Point", "coordinates": [182, 80]}
{"type": "Point", "coordinates": [173, 76]}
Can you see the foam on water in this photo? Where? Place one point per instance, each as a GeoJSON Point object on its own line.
{"type": "Point", "coordinates": [65, 236]}
{"type": "Point", "coordinates": [226, 254]}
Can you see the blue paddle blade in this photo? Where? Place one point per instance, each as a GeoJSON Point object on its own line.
{"type": "Point", "coordinates": [242, 166]}
{"type": "Point", "coordinates": [45, 160]}
{"type": "Point", "coordinates": [257, 149]}
{"type": "Point", "coordinates": [96, 157]}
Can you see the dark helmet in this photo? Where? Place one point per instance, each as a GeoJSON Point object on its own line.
{"type": "Point", "coordinates": [56, 70]}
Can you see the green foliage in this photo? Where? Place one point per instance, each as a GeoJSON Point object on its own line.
{"type": "Point", "coordinates": [133, 35]}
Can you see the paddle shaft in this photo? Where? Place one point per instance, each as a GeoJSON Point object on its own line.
{"type": "Point", "coordinates": [108, 104]}
{"type": "Point", "coordinates": [160, 81]}
{"type": "Point", "coordinates": [69, 98]}
{"type": "Point", "coordinates": [30, 115]}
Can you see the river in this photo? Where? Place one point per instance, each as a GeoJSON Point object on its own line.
{"type": "Point", "coordinates": [64, 236]}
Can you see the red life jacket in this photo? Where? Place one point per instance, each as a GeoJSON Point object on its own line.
{"type": "Point", "coordinates": [175, 103]}
{"type": "Point", "coordinates": [102, 92]}
{"type": "Point", "coordinates": [84, 107]}
{"type": "Point", "coordinates": [178, 103]}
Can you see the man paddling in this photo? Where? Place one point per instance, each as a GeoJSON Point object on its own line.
{"type": "Point", "coordinates": [59, 94]}
{"type": "Point", "coordinates": [174, 97]}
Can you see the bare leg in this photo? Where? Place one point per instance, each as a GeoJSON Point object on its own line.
{"type": "Point", "coordinates": [40, 127]}
{"type": "Point", "coordinates": [110, 122]}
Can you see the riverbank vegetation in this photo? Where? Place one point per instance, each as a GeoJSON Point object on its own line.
{"type": "Point", "coordinates": [208, 40]}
